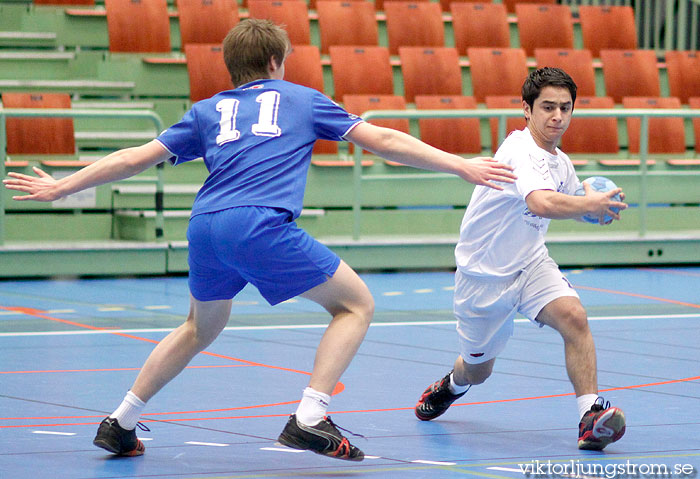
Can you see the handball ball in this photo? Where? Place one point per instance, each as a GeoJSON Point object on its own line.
{"type": "Point", "coordinates": [602, 184]}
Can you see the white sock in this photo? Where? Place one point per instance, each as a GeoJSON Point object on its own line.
{"type": "Point", "coordinates": [584, 403]}
{"type": "Point", "coordinates": [456, 388]}
{"type": "Point", "coordinates": [129, 411]}
{"type": "Point", "coordinates": [313, 407]}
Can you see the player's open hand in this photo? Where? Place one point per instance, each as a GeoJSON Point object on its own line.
{"type": "Point", "coordinates": [607, 209]}
{"type": "Point", "coordinates": [39, 188]}
{"type": "Point", "coordinates": [485, 171]}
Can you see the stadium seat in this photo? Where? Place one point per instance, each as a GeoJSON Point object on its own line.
{"type": "Point", "coordinates": [350, 66]}
{"type": "Point", "coordinates": [293, 14]}
{"type": "Point", "coordinates": [607, 28]}
{"type": "Point", "coordinates": [511, 4]}
{"type": "Point", "coordinates": [591, 135]}
{"type": "Point", "coordinates": [303, 66]}
{"type": "Point", "coordinates": [455, 135]}
{"type": "Point", "coordinates": [358, 104]}
{"type": "Point", "coordinates": [138, 27]}
{"type": "Point", "coordinates": [666, 135]}
{"type": "Point", "coordinates": [630, 73]}
{"type": "Point", "coordinates": [694, 102]}
{"type": "Point", "coordinates": [497, 71]}
{"type": "Point", "coordinates": [414, 24]}
{"type": "Point", "coordinates": [39, 136]}
{"type": "Point", "coordinates": [513, 123]}
{"type": "Point", "coordinates": [536, 19]}
{"type": "Point", "coordinates": [206, 70]}
{"type": "Point", "coordinates": [442, 63]}
{"type": "Point", "coordinates": [206, 21]}
{"type": "Point", "coordinates": [683, 69]}
{"type": "Point", "coordinates": [479, 25]}
{"type": "Point", "coordinates": [380, 4]}
{"type": "Point", "coordinates": [577, 63]}
{"type": "Point", "coordinates": [358, 20]}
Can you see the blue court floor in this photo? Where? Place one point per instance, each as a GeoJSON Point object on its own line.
{"type": "Point", "coordinates": [70, 349]}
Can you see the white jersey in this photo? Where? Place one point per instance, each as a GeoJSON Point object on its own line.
{"type": "Point", "coordinates": [499, 235]}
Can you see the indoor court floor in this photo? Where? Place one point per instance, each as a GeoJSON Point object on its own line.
{"type": "Point", "coordinates": [70, 349]}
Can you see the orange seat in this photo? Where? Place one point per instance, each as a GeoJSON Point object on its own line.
{"type": "Point", "coordinates": [694, 102]}
{"type": "Point", "coordinates": [607, 27]}
{"type": "Point", "coordinates": [445, 76]}
{"type": "Point", "coordinates": [361, 70]}
{"type": "Point", "coordinates": [358, 20]}
{"type": "Point", "coordinates": [455, 135]}
{"type": "Point", "coordinates": [138, 27]}
{"type": "Point", "coordinates": [380, 4]}
{"type": "Point", "coordinates": [358, 104]}
{"type": "Point", "coordinates": [497, 71]}
{"type": "Point", "coordinates": [591, 135]}
{"type": "Point", "coordinates": [293, 14]}
{"type": "Point", "coordinates": [206, 21]}
{"type": "Point", "coordinates": [510, 4]}
{"type": "Point", "coordinates": [534, 19]}
{"type": "Point", "coordinates": [512, 124]}
{"type": "Point", "coordinates": [303, 66]}
{"type": "Point", "coordinates": [666, 135]}
{"type": "Point", "coordinates": [414, 24]}
{"type": "Point", "coordinates": [630, 73]}
{"type": "Point", "coordinates": [683, 68]}
{"type": "Point", "coordinates": [446, 4]}
{"type": "Point", "coordinates": [206, 70]}
{"type": "Point", "coordinates": [39, 136]}
{"type": "Point", "coordinates": [313, 4]}
{"type": "Point", "coordinates": [479, 25]}
{"type": "Point", "coordinates": [577, 63]}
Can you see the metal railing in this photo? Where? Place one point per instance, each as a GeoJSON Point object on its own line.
{"type": "Point", "coordinates": [78, 113]}
{"type": "Point", "coordinates": [502, 115]}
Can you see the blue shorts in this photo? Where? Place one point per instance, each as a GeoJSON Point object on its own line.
{"type": "Point", "coordinates": [261, 246]}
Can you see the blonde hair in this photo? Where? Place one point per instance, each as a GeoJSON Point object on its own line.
{"type": "Point", "coordinates": [250, 45]}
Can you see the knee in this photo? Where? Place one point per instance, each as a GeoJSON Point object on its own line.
{"type": "Point", "coordinates": [574, 321]}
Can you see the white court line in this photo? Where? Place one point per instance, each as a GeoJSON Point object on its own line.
{"type": "Point", "coordinates": [55, 433]}
{"type": "Point", "coordinates": [505, 469]}
{"type": "Point", "coordinates": [214, 444]}
{"type": "Point", "coordinates": [323, 326]}
{"type": "Point", "coordinates": [281, 449]}
{"type": "Point", "coordinates": [435, 463]}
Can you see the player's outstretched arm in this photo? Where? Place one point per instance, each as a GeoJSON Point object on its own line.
{"type": "Point", "coordinates": [550, 204]}
{"type": "Point", "coordinates": [398, 146]}
{"type": "Point", "coordinates": [113, 167]}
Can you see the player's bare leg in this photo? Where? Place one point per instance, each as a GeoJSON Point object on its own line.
{"type": "Point", "coordinates": [465, 373]}
{"type": "Point", "coordinates": [204, 323]}
{"type": "Point", "coordinates": [347, 298]}
{"type": "Point", "coordinates": [350, 303]}
{"type": "Point", "coordinates": [568, 317]}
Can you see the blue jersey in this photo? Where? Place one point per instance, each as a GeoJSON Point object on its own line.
{"type": "Point", "coordinates": [256, 142]}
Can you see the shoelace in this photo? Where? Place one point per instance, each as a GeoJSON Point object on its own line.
{"type": "Point", "coordinates": [330, 421]}
{"type": "Point", "coordinates": [142, 426]}
{"type": "Point", "coordinates": [602, 403]}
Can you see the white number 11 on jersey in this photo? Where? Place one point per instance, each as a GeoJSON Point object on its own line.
{"type": "Point", "coordinates": [267, 117]}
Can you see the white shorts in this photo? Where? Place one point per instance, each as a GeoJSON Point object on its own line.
{"type": "Point", "coordinates": [485, 307]}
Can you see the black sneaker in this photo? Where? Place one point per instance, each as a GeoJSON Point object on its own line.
{"type": "Point", "coordinates": [436, 399]}
{"type": "Point", "coordinates": [600, 426]}
{"type": "Point", "coordinates": [114, 438]}
{"type": "Point", "coordinates": [323, 438]}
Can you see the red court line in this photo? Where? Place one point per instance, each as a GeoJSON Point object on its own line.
{"type": "Point", "coordinates": [40, 314]}
{"type": "Point", "coordinates": [495, 401]}
{"type": "Point", "coordinates": [636, 295]}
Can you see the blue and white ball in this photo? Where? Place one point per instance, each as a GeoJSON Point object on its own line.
{"type": "Point", "coordinates": [602, 184]}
